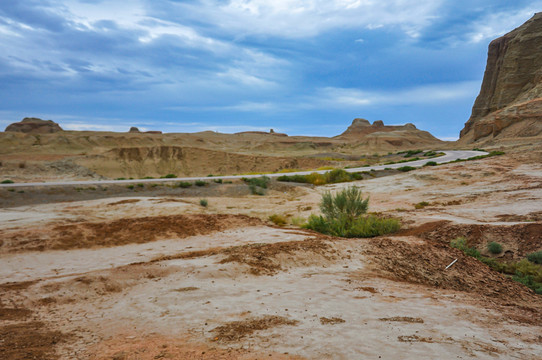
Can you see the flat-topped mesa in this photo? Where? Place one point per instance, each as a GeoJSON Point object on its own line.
{"type": "Point", "coordinates": [510, 99]}
{"type": "Point", "coordinates": [378, 135]}
{"type": "Point", "coordinates": [361, 127]}
{"type": "Point", "coordinates": [34, 126]}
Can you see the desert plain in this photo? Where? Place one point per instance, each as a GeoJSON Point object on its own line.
{"type": "Point", "coordinates": [151, 266]}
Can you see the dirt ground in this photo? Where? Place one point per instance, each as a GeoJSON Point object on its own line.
{"type": "Point", "coordinates": [152, 274]}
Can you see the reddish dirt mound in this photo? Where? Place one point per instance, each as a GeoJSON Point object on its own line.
{"type": "Point", "coordinates": [425, 264]}
{"type": "Point", "coordinates": [237, 330]}
{"type": "Point", "coordinates": [178, 348]}
{"type": "Point", "coordinates": [262, 258]}
{"type": "Point", "coordinates": [520, 239]}
{"type": "Point", "coordinates": [29, 340]}
{"type": "Point", "coordinates": [123, 231]}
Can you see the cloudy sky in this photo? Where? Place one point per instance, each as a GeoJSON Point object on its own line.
{"type": "Point", "coordinates": [298, 66]}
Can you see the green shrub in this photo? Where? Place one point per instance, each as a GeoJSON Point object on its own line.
{"type": "Point", "coordinates": [343, 215]}
{"type": "Point", "coordinates": [293, 178]}
{"type": "Point", "coordinates": [535, 257]}
{"type": "Point", "coordinates": [277, 219]}
{"type": "Point", "coordinates": [421, 205]}
{"type": "Point", "coordinates": [261, 181]}
{"type": "Point", "coordinates": [346, 205]}
{"type": "Point", "coordinates": [430, 153]}
{"type": "Point", "coordinates": [218, 181]}
{"type": "Point", "coordinates": [431, 163]}
{"type": "Point", "coordinates": [169, 176]}
{"type": "Point", "coordinates": [200, 183]}
{"type": "Point", "coordinates": [337, 176]}
{"type": "Point", "coordinates": [331, 177]}
{"type": "Point", "coordinates": [461, 244]}
{"type": "Point", "coordinates": [148, 177]}
{"type": "Point", "coordinates": [7, 181]}
{"type": "Point", "coordinates": [494, 247]}
{"type": "Point", "coordinates": [406, 168]}
{"type": "Point", "coordinates": [257, 185]}
{"type": "Point", "coordinates": [524, 271]}
{"type": "Point", "coordinates": [411, 153]}
{"type": "Point", "coordinates": [121, 178]}
{"type": "Point", "coordinates": [185, 184]}
{"type": "Point", "coordinates": [140, 185]}
{"type": "Point", "coordinates": [131, 187]}
{"type": "Point", "coordinates": [203, 202]}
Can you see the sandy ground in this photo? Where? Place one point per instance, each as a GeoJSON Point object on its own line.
{"type": "Point", "coordinates": [158, 276]}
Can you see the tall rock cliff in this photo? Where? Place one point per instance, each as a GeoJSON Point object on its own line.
{"type": "Point", "coordinates": [510, 100]}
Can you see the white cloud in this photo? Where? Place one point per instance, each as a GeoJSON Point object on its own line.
{"type": "Point", "coordinates": [497, 24]}
{"type": "Point", "coordinates": [426, 94]}
{"type": "Point", "coordinates": [306, 18]}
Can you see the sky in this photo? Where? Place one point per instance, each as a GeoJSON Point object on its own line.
{"type": "Point", "coordinates": [300, 67]}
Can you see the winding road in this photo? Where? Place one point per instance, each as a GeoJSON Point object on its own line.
{"type": "Point", "coordinates": [450, 155]}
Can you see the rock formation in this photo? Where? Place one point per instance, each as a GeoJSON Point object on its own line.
{"type": "Point", "coordinates": [133, 129]}
{"type": "Point", "coordinates": [380, 135]}
{"type": "Point", "coordinates": [34, 126]}
{"type": "Point", "coordinates": [510, 100]}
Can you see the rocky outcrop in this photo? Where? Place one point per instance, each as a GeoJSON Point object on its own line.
{"type": "Point", "coordinates": [34, 126]}
{"type": "Point", "coordinates": [510, 100]}
{"type": "Point", "coordinates": [385, 136]}
{"type": "Point", "coordinates": [133, 129]}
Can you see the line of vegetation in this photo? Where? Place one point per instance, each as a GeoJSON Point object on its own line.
{"type": "Point", "coordinates": [526, 271]}
{"type": "Point", "coordinates": [7, 181]}
{"type": "Point", "coordinates": [257, 185]}
{"type": "Point", "coordinates": [406, 168]}
{"type": "Point", "coordinates": [345, 215]}
{"type": "Point", "coordinates": [491, 154]}
{"type": "Point", "coordinates": [331, 177]}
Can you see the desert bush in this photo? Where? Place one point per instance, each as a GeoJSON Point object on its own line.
{"type": "Point", "coordinates": [331, 177]}
{"type": "Point", "coordinates": [421, 205]}
{"type": "Point", "coordinates": [528, 274]}
{"type": "Point", "coordinates": [277, 219]}
{"type": "Point", "coordinates": [185, 184]}
{"type": "Point", "coordinates": [344, 215]}
{"type": "Point", "coordinates": [7, 181]}
{"type": "Point", "coordinates": [461, 244]}
{"type": "Point", "coordinates": [431, 163]}
{"type": "Point", "coordinates": [337, 176]}
{"type": "Point", "coordinates": [257, 185]}
{"type": "Point", "coordinates": [140, 185]}
{"type": "Point", "coordinates": [200, 183]}
{"type": "Point", "coordinates": [494, 247]}
{"type": "Point", "coordinates": [430, 153]}
{"type": "Point", "coordinates": [261, 181]}
{"type": "Point", "coordinates": [203, 202]}
{"type": "Point", "coordinates": [131, 187]}
{"type": "Point", "coordinates": [22, 165]}
{"type": "Point", "coordinates": [524, 271]}
{"type": "Point", "coordinates": [411, 153]}
{"type": "Point", "coordinates": [169, 176]}
{"type": "Point", "coordinates": [535, 257]}
{"type": "Point", "coordinates": [120, 178]}
{"type": "Point", "coordinates": [406, 168]}
{"type": "Point", "coordinates": [218, 181]}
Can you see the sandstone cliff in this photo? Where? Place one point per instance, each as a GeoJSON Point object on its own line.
{"type": "Point", "coordinates": [510, 101]}
{"type": "Point", "coordinates": [34, 126]}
